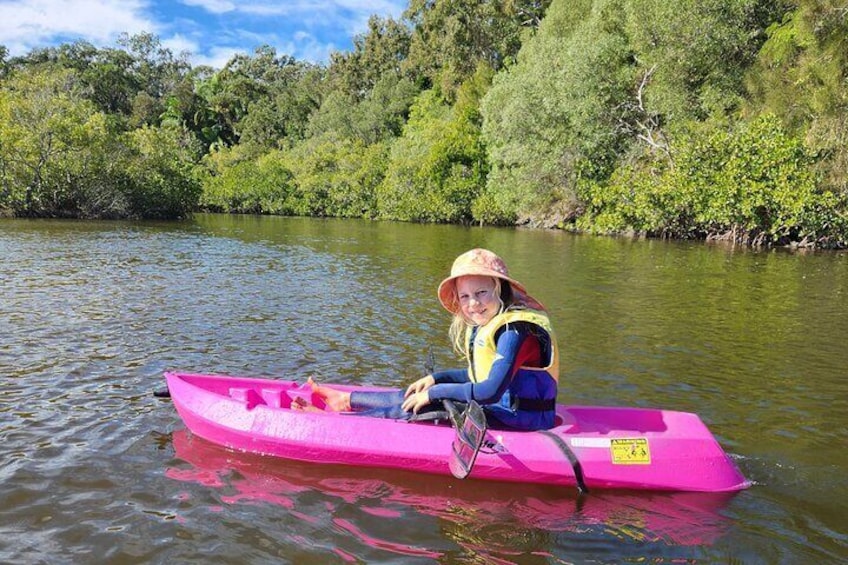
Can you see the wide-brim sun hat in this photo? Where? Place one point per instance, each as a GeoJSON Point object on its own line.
{"type": "Point", "coordinates": [482, 262]}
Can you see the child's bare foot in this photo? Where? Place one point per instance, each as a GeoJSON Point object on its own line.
{"type": "Point", "coordinates": [336, 400]}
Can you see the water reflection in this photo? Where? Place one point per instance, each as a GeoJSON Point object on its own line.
{"type": "Point", "coordinates": [485, 519]}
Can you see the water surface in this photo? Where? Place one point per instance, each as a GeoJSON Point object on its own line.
{"type": "Point", "coordinates": [93, 469]}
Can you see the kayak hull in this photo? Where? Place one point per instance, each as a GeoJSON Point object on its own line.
{"type": "Point", "coordinates": [622, 448]}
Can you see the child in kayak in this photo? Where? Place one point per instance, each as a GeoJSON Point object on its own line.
{"type": "Point", "coordinates": [507, 339]}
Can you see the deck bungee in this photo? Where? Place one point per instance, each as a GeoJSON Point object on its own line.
{"type": "Point", "coordinates": [593, 447]}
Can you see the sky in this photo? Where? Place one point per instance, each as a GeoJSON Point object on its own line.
{"type": "Point", "coordinates": [211, 31]}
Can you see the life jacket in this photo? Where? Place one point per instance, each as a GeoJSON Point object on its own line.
{"type": "Point", "coordinates": [481, 351]}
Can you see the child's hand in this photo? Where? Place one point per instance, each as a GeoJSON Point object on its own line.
{"type": "Point", "coordinates": [416, 402]}
{"type": "Point", "coordinates": [422, 384]}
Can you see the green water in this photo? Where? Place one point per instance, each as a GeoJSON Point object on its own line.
{"type": "Point", "coordinates": [95, 470]}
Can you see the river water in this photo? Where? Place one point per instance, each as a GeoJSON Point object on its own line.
{"type": "Point", "coordinates": [94, 469]}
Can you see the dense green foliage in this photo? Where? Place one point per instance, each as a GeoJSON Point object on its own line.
{"type": "Point", "coordinates": [60, 155]}
{"type": "Point", "coordinates": [438, 165]}
{"type": "Point", "coordinates": [755, 182]}
{"type": "Point", "coordinates": [693, 119]}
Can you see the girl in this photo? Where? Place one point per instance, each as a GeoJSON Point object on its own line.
{"type": "Point", "coordinates": [507, 339]}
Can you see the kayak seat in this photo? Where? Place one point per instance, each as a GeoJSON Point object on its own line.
{"type": "Point", "coordinates": [273, 398]}
{"type": "Point", "coordinates": [249, 396]}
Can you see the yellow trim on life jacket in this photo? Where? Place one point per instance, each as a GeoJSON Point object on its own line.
{"type": "Point", "coordinates": [485, 348]}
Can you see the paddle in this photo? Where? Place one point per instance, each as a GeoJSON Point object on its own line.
{"type": "Point", "coordinates": [470, 426]}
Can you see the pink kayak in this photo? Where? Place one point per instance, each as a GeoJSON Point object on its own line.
{"type": "Point", "coordinates": [591, 447]}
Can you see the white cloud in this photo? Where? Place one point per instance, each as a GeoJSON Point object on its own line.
{"type": "Point", "coordinates": [211, 31]}
{"type": "Point", "coordinates": [316, 52]}
{"type": "Point", "coordinates": [216, 57]}
{"type": "Point", "coordinates": [319, 9]}
{"type": "Point", "coordinates": [214, 6]}
{"type": "Point", "coordinates": [180, 44]}
{"type": "Point", "coordinates": [386, 7]}
{"type": "Point", "coordinates": [306, 47]}
{"type": "Point", "coordinates": [26, 24]}
{"type": "Point", "coordinates": [306, 29]}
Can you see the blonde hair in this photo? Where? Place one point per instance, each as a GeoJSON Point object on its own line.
{"type": "Point", "coordinates": [459, 325]}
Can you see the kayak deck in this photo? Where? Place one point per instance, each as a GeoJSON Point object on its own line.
{"type": "Point", "coordinates": [629, 448]}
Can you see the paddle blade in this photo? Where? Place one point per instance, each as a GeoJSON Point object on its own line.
{"type": "Point", "coordinates": [467, 441]}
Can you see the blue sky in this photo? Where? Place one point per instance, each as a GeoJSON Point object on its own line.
{"type": "Point", "coordinates": [210, 30]}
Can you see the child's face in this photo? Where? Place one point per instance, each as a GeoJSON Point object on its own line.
{"type": "Point", "coordinates": [477, 298]}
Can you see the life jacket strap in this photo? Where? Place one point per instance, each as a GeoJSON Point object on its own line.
{"type": "Point", "coordinates": [533, 404]}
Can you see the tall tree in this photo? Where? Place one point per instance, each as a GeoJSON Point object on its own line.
{"type": "Point", "coordinates": [692, 55]}
{"type": "Point", "coordinates": [47, 128]}
{"type": "Point", "coordinates": [452, 37]}
{"type": "Point", "coordinates": [109, 75]}
{"type": "Point", "coordinates": [801, 75]}
{"type": "Point", "coordinates": [243, 82]}
{"type": "Point", "coordinates": [378, 52]}
{"type": "Point", "coordinates": [603, 81]}
{"type": "Point", "coordinates": [280, 116]}
{"type": "Point", "coordinates": [438, 168]}
{"type": "Point", "coordinates": [4, 69]}
{"type": "Point", "coordinates": [368, 94]}
{"type": "Point", "coordinates": [157, 71]}
{"type": "Point", "coordinates": [553, 117]}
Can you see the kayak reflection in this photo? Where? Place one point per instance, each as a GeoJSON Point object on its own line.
{"type": "Point", "coordinates": [679, 518]}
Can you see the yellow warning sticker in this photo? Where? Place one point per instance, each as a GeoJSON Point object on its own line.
{"type": "Point", "coordinates": [630, 451]}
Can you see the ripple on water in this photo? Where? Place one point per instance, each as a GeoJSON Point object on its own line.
{"type": "Point", "coordinates": [93, 313]}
